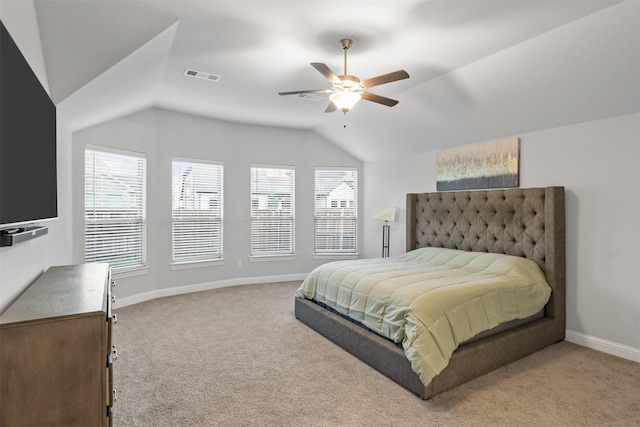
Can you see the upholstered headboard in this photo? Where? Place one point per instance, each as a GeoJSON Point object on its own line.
{"type": "Point", "coordinates": [526, 222]}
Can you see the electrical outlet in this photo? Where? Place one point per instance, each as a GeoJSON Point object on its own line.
{"type": "Point", "coordinates": [239, 264]}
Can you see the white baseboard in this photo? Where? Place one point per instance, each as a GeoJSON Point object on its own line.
{"type": "Point", "coordinates": [604, 346]}
{"type": "Point", "coordinates": [178, 290]}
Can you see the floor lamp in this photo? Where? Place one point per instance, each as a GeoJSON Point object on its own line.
{"type": "Point", "coordinates": [385, 214]}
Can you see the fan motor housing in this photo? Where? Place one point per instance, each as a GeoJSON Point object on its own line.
{"type": "Point", "coordinates": [349, 83]}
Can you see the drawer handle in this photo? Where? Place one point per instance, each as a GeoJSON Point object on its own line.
{"type": "Point", "coordinates": [115, 318]}
{"type": "Point", "coordinates": [113, 283]}
{"type": "Point", "coordinates": [113, 298]}
{"type": "Point", "coordinates": [114, 393]}
{"type": "Point", "coordinates": [114, 351]}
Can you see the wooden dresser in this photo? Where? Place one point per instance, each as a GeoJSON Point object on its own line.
{"type": "Point", "coordinates": [56, 351]}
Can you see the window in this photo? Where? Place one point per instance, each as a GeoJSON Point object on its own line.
{"type": "Point", "coordinates": [272, 211]}
{"type": "Point", "coordinates": [336, 211]}
{"type": "Point", "coordinates": [197, 211]}
{"type": "Point", "coordinates": [114, 208]}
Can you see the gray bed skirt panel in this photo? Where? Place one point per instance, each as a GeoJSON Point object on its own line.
{"type": "Point", "coordinates": [480, 357]}
{"type": "Point", "coordinates": [377, 352]}
{"type": "Point", "coordinates": [467, 362]}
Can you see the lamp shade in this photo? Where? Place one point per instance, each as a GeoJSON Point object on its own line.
{"type": "Point", "coordinates": [384, 213]}
{"type": "Point", "coordinates": [345, 100]}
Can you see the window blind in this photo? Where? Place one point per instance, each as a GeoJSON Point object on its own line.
{"type": "Point", "coordinates": [272, 211]}
{"type": "Point", "coordinates": [197, 210]}
{"type": "Point", "coordinates": [114, 200]}
{"type": "Point", "coordinates": [336, 211]}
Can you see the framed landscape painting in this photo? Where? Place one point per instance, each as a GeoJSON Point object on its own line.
{"type": "Point", "coordinates": [486, 165]}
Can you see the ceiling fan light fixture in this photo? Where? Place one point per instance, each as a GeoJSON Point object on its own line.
{"type": "Point", "coordinates": [345, 100]}
{"type": "Point", "coordinates": [347, 90]}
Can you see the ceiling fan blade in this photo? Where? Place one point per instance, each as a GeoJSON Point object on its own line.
{"type": "Point", "coordinates": [296, 92]}
{"type": "Point", "coordinates": [331, 108]}
{"type": "Point", "coordinates": [379, 99]}
{"type": "Point", "coordinates": [326, 71]}
{"type": "Point", "coordinates": [385, 78]}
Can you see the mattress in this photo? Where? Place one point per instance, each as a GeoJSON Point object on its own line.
{"type": "Point", "coordinates": [431, 299]}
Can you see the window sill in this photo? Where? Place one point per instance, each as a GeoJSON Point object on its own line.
{"type": "Point", "coordinates": [138, 271]}
{"type": "Point", "coordinates": [267, 258]}
{"type": "Point", "coordinates": [196, 264]}
{"type": "Point", "coordinates": [336, 256]}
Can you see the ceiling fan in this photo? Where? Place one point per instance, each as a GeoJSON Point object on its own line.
{"type": "Point", "coordinates": [346, 90]}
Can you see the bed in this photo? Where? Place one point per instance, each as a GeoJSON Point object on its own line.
{"type": "Point", "coordinates": [526, 223]}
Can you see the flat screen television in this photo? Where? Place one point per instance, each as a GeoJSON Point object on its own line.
{"type": "Point", "coordinates": [28, 181]}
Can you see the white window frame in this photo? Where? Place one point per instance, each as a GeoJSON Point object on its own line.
{"type": "Point", "coordinates": [130, 220]}
{"type": "Point", "coordinates": [195, 249]}
{"type": "Point", "coordinates": [326, 210]}
{"type": "Point", "coordinates": [261, 198]}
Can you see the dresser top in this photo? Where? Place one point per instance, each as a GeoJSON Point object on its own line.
{"type": "Point", "coordinates": [69, 290]}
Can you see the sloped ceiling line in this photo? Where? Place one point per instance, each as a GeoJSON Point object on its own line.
{"type": "Point", "coordinates": [108, 58]}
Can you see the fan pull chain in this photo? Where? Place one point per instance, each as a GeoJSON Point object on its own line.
{"type": "Point", "coordinates": [344, 129]}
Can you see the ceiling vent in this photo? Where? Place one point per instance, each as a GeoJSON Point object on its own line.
{"type": "Point", "coordinates": [201, 75]}
{"type": "Point", "coordinates": [309, 97]}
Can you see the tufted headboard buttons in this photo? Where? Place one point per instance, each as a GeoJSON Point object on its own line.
{"type": "Point", "coordinates": [508, 221]}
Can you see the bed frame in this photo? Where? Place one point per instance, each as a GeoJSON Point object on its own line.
{"type": "Point", "coordinates": [522, 222]}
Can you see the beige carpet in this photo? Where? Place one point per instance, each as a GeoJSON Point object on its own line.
{"type": "Point", "coordinates": [238, 357]}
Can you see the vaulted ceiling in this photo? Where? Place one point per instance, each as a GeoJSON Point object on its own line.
{"type": "Point", "coordinates": [479, 69]}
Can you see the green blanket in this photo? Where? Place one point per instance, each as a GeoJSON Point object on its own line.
{"type": "Point", "coordinates": [430, 299]}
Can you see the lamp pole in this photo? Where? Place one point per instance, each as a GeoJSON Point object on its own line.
{"type": "Point", "coordinates": [385, 240]}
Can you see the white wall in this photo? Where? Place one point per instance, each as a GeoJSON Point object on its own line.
{"type": "Point", "coordinates": [21, 264]}
{"type": "Point", "coordinates": [598, 163]}
{"type": "Point", "coordinates": [163, 135]}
